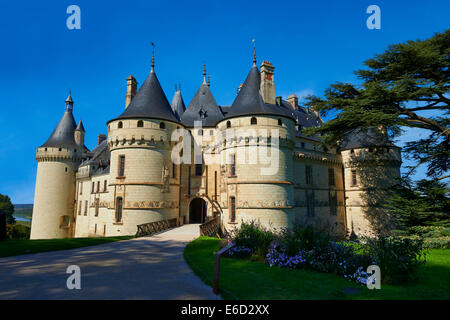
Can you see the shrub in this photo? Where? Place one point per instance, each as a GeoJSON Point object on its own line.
{"type": "Point", "coordinates": [437, 243]}
{"type": "Point", "coordinates": [253, 236]}
{"type": "Point", "coordinates": [17, 231]}
{"type": "Point", "coordinates": [397, 257]}
{"type": "Point", "coordinates": [303, 238]}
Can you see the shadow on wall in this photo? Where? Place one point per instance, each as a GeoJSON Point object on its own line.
{"type": "Point", "coordinates": [376, 174]}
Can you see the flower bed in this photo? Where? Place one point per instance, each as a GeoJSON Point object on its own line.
{"type": "Point", "coordinates": [306, 248]}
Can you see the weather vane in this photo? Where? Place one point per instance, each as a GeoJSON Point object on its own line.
{"type": "Point", "coordinates": [254, 51]}
{"type": "Point", "coordinates": [153, 55]}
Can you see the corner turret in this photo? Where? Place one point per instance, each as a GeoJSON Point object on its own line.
{"type": "Point", "coordinates": [58, 160]}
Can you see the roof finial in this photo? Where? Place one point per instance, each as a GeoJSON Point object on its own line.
{"type": "Point", "coordinates": [153, 56]}
{"type": "Point", "coordinates": [209, 81]}
{"type": "Point", "coordinates": [254, 51]}
{"type": "Point", "coordinates": [204, 72]}
{"type": "Point", "coordinates": [69, 101]}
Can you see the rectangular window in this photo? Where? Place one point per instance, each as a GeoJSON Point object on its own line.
{"type": "Point", "coordinates": [232, 209]}
{"type": "Point", "coordinates": [104, 229]}
{"type": "Point", "coordinates": [333, 202]}
{"type": "Point", "coordinates": [97, 205]}
{"type": "Point", "coordinates": [331, 181]}
{"type": "Point", "coordinates": [310, 203]}
{"type": "Point", "coordinates": [121, 166]}
{"type": "Point", "coordinates": [98, 186]}
{"type": "Point", "coordinates": [85, 208]}
{"type": "Point", "coordinates": [308, 174]}
{"type": "Point", "coordinates": [81, 187]}
{"type": "Point", "coordinates": [198, 169]}
{"type": "Point", "coordinates": [119, 210]}
{"type": "Point", "coordinates": [174, 170]}
{"type": "Point", "coordinates": [233, 165]}
{"type": "Point", "coordinates": [93, 187]}
{"type": "Point", "coordinates": [215, 185]}
{"type": "Point", "coordinates": [80, 208]}
{"type": "Point", "coordinates": [105, 185]}
{"type": "Point", "coordinates": [95, 229]}
{"type": "Point", "coordinates": [189, 181]}
{"type": "Point", "coordinates": [354, 181]}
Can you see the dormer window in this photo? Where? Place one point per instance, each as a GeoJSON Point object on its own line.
{"type": "Point", "coordinates": [140, 124]}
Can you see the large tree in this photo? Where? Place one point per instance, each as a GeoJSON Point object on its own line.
{"type": "Point", "coordinates": [406, 86]}
{"type": "Point", "coordinates": [424, 203]}
{"type": "Point", "coordinates": [7, 208]}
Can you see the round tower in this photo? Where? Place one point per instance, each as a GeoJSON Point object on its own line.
{"type": "Point", "coordinates": [144, 184]}
{"type": "Point", "coordinates": [257, 158]}
{"type": "Point", "coordinates": [54, 197]}
{"type": "Point", "coordinates": [371, 166]}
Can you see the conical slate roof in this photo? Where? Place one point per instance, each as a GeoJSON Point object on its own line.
{"type": "Point", "coordinates": [80, 126]}
{"type": "Point", "coordinates": [177, 104]}
{"type": "Point", "coordinates": [63, 135]}
{"type": "Point", "coordinates": [149, 102]}
{"type": "Point", "coordinates": [249, 101]}
{"type": "Point", "coordinates": [363, 138]}
{"type": "Point", "coordinates": [203, 107]}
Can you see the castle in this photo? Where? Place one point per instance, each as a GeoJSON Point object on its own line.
{"type": "Point", "coordinates": [265, 168]}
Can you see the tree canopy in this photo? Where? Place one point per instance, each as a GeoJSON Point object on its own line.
{"type": "Point", "coordinates": [424, 203]}
{"type": "Point", "coordinates": [406, 86]}
{"type": "Point", "coordinates": [6, 207]}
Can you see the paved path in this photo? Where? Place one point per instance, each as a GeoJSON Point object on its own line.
{"type": "Point", "coordinates": [143, 268]}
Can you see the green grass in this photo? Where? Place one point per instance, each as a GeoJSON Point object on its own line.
{"type": "Point", "coordinates": [14, 247]}
{"type": "Point", "coordinates": [244, 279]}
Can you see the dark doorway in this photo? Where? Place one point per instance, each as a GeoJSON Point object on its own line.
{"type": "Point", "coordinates": [197, 211]}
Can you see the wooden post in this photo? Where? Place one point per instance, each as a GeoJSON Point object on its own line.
{"type": "Point", "coordinates": [217, 267]}
{"type": "Point", "coordinates": [216, 274]}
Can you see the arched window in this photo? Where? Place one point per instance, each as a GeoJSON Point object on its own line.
{"type": "Point", "coordinates": [120, 125]}
{"type": "Point", "coordinates": [140, 124]}
{"type": "Point", "coordinates": [200, 132]}
{"type": "Point", "coordinates": [253, 121]}
{"type": "Point", "coordinates": [352, 151]}
{"type": "Point", "coordinates": [280, 122]}
{"type": "Point", "coordinates": [228, 124]}
{"type": "Point", "coordinates": [162, 125]}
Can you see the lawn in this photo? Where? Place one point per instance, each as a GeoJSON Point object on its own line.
{"type": "Point", "coordinates": [245, 279]}
{"type": "Point", "coordinates": [14, 247]}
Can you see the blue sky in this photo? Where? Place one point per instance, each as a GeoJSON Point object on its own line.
{"type": "Point", "coordinates": [311, 44]}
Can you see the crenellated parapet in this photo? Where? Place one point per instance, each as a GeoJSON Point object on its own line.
{"type": "Point", "coordinates": [58, 154]}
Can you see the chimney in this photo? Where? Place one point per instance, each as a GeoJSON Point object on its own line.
{"type": "Point", "coordinates": [293, 100]}
{"type": "Point", "coordinates": [131, 90]}
{"type": "Point", "coordinates": [267, 82]}
{"type": "Point", "coordinates": [101, 138]}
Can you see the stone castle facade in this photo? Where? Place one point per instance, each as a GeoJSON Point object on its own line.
{"type": "Point", "coordinates": [132, 177]}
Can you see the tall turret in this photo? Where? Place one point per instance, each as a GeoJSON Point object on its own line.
{"type": "Point", "coordinates": [144, 186]}
{"type": "Point", "coordinates": [258, 158]}
{"type": "Point", "coordinates": [58, 159]}
{"type": "Point", "coordinates": [371, 166]}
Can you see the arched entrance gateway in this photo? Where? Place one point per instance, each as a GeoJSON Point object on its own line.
{"type": "Point", "coordinates": [197, 211]}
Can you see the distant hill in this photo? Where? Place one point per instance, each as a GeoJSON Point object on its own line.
{"type": "Point", "coordinates": [23, 210]}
